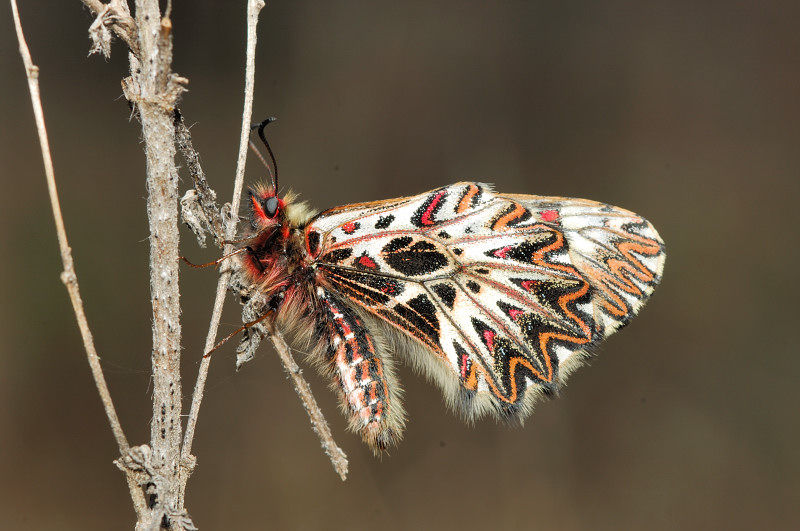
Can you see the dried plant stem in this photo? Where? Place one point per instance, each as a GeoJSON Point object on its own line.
{"type": "Point", "coordinates": [207, 198]}
{"type": "Point", "coordinates": [318, 423]}
{"type": "Point", "coordinates": [253, 9]}
{"type": "Point", "coordinates": [154, 90]}
{"type": "Point", "coordinates": [68, 276]}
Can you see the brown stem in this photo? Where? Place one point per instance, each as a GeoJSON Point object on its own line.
{"type": "Point", "coordinates": [253, 9]}
{"type": "Point", "coordinates": [68, 276]}
{"type": "Point", "coordinates": [153, 90]}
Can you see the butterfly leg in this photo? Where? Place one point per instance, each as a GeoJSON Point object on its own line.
{"type": "Point", "coordinates": [361, 376]}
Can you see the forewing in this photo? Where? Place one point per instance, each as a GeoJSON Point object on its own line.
{"type": "Point", "coordinates": [500, 290]}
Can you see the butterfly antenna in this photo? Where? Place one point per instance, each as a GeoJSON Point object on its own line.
{"type": "Point", "coordinates": [263, 138]}
{"type": "Point", "coordinates": [254, 149]}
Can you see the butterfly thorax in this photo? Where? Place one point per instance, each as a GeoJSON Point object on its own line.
{"type": "Point", "coordinates": [276, 259]}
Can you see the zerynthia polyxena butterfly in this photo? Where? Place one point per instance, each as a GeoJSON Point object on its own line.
{"type": "Point", "coordinates": [496, 297]}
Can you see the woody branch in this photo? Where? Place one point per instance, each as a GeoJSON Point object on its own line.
{"type": "Point", "coordinates": [68, 276]}
{"type": "Point", "coordinates": [153, 90]}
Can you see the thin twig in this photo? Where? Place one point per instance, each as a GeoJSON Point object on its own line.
{"type": "Point", "coordinates": [318, 423]}
{"type": "Point", "coordinates": [207, 198]}
{"type": "Point", "coordinates": [256, 306]}
{"type": "Point", "coordinates": [253, 9]}
{"type": "Point", "coordinates": [68, 276]}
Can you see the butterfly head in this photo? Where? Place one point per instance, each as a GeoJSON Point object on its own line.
{"type": "Point", "coordinates": [266, 208]}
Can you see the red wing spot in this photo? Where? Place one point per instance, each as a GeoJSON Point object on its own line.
{"type": "Point", "coordinates": [350, 227]}
{"type": "Point", "coordinates": [388, 289]}
{"type": "Point", "coordinates": [488, 338]}
{"type": "Point", "coordinates": [426, 217]}
{"type": "Point", "coordinates": [528, 284]}
{"type": "Point", "coordinates": [514, 313]}
{"type": "Point", "coordinates": [464, 360]}
{"type": "Point", "coordinates": [366, 261]}
{"type": "Point", "coordinates": [550, 215]}
{"type": "Point", "coordinates": [501, 253]}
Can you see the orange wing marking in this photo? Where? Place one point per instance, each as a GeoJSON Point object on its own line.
{"type": "Point", "coordinates": [466, 201]}
{"type": "Point", "coordinates": [502, 223]}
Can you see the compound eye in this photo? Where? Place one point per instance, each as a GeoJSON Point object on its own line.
{"type": "Point", "coordinates": [271, 206]}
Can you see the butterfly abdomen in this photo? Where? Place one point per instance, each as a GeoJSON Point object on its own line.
{"type": "Point", "coordinates": [360, 377]}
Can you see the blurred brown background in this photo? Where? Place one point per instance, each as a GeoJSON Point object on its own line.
{"type": "Point", "coordinates": [686, 112]}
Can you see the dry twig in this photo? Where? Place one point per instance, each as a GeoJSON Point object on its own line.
{"type": "Point", "coordinates": [254, 308]}
{"type": "Point", "coordinates": [153, 90]}
{"type": "Point", "coordinates": [200, 202]}
{"type": "Point", "coordinates": [320, 426]}
{"type": "Point", "coordinates": [253, 9]}
{"type": "Point", "coordinates": [68, 276]}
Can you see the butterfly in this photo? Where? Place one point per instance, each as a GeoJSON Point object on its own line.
{"type": "Point", "coordinates": [497, 298]}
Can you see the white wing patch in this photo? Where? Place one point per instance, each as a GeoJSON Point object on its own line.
{"type": "Point", "coordinates": [498, 291]}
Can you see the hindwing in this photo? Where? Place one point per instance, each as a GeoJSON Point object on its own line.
{"type": "Point", "coordinates": [503, 293]}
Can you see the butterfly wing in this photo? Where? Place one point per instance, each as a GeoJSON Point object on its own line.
{"type": "Point", "coordinates": [503, 294]}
